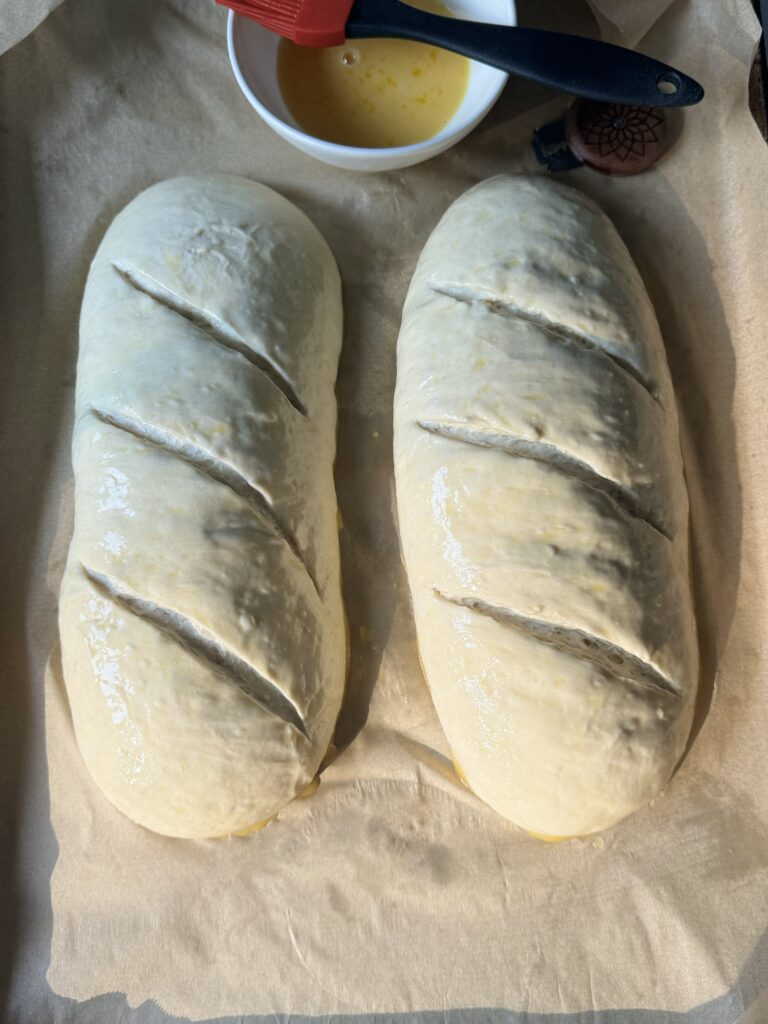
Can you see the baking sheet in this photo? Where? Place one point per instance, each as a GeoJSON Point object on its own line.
{"type": "Point", "coordinates": [392, 890]}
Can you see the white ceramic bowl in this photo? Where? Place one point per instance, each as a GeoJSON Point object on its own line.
{"type": "Point", "coordinates": [253, 53]}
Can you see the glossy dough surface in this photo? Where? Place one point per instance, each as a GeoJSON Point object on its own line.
{"type": "Point", "coordinates": [201, 622]}
{"type": "Point", "coordinates": [542, 507]}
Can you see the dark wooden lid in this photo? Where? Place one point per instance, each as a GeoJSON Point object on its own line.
{"type": "Point", "coordinates": [614, 138]}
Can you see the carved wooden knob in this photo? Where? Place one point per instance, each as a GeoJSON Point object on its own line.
{"type": "Point", "coordinates": [614, 138]}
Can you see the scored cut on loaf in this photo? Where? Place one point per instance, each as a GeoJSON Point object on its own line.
{"type": "Point", "coordinates": [202, 628]}
{"type": "Point", "coordinates": [542, 508]}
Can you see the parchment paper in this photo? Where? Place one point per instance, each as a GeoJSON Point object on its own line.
{"type": "Point", "coordinates": [18, 19]}
{"type": "Point", "coordinates": [392, 890]}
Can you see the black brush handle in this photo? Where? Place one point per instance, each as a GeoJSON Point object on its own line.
{"type": "Point", "coordinates": [572, 64]}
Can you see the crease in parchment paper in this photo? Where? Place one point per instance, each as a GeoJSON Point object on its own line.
{"type": "Point", "coordinates": [392, 894]}
{"type": "Point", "coordinates": [626, 22]}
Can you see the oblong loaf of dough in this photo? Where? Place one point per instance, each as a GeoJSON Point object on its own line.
{"type": "Point", "coordinates": [202, 628]}
{"type": "Point", "coordinates": [543, 511]}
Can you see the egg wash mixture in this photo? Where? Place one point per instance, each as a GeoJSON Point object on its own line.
{"type": "Point", "coordinates": [373, 92]}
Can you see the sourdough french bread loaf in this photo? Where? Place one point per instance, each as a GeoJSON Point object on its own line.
{"type": "Point", "coordinates": [202, 629]}
{"type": "Point", "coordinates": [543, 511]}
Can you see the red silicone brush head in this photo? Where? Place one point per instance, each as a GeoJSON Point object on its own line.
{"type": "Point", "coordinates": [306, 22]}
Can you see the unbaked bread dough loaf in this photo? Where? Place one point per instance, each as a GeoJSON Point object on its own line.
{"type": "Point", "coordinates": [542, 507]}
{"type": "Point", "coordinates": [201, 622]}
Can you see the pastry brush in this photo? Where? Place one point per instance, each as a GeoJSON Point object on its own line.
{"type": "Point", "coordinates": [571, 64]}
